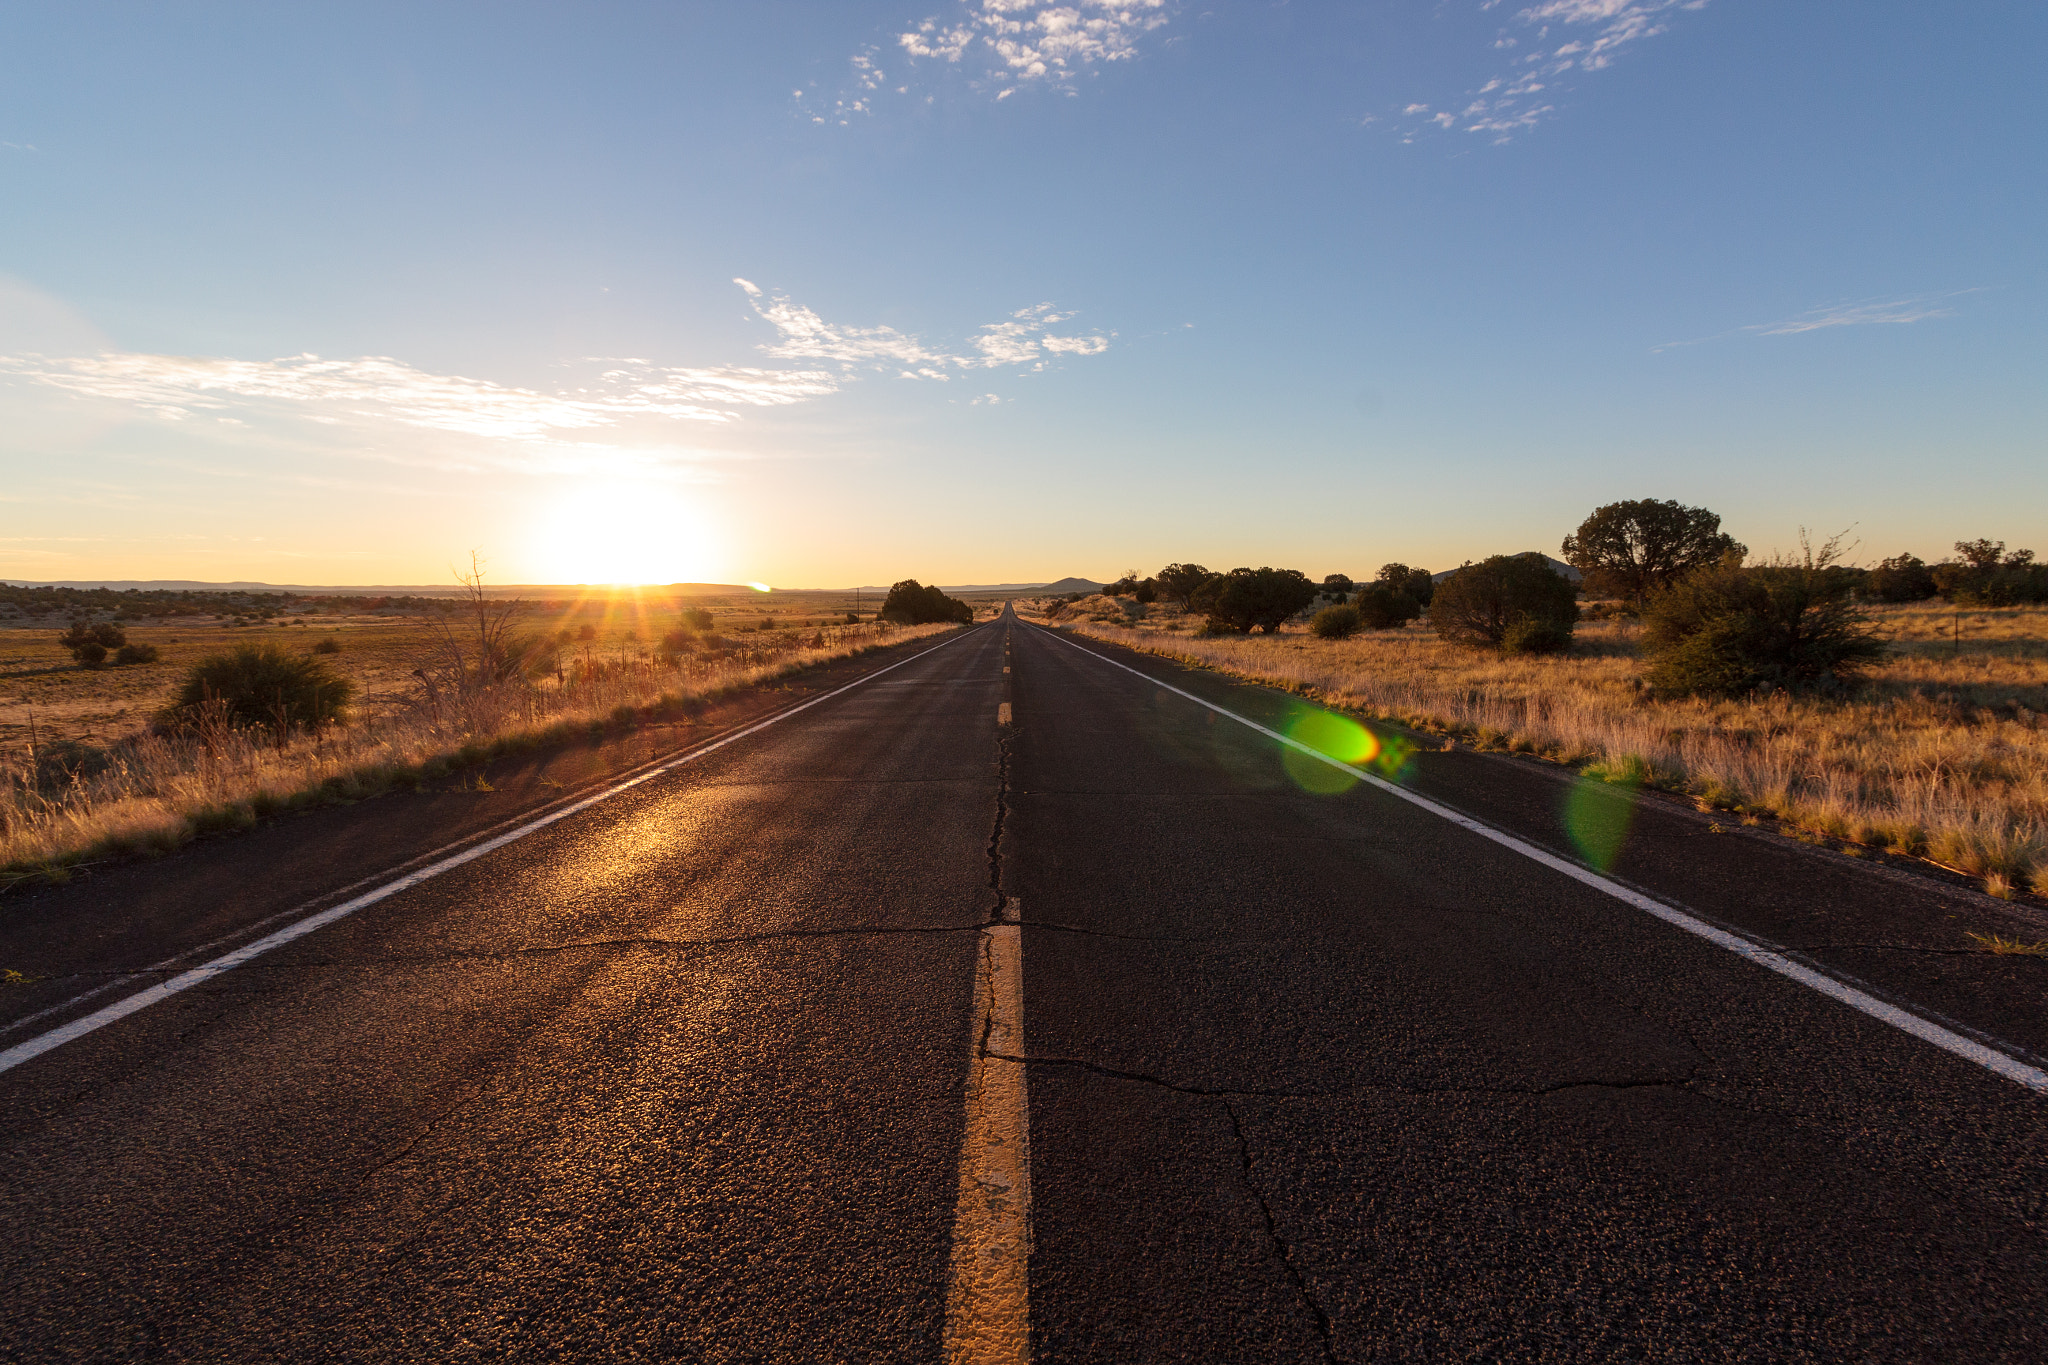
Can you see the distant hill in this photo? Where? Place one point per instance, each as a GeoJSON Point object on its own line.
{"type": "Point", "coordinates": [1072, 585]}
{"type": "Point", "coordinates": [1557, 566]}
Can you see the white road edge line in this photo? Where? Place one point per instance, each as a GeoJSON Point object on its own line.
{"type": "Point", "coordinates": [1990, 1058]}
{"type": "Point", "coordinates": [43, 1042]}
{"type": "Point", "coordinates": [988, 1309]}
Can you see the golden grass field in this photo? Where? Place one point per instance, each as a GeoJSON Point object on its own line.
{"type": "Point", "coordinates": [1942, 753]}
{"type": "Point", "coordinates": [81, 775]}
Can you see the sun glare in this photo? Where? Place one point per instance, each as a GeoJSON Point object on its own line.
{"type": "Point", "coordinates": [626, 534]}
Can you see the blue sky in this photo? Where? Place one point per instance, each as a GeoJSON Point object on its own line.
{"type": "Point", "coordinates": [1001, 290]}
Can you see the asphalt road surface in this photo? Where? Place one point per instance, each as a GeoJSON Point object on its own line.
{"type": "Point", "coordinates": [1012, 1004]}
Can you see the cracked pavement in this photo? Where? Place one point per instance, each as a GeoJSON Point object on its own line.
{"type": "Point", "coordinates": [1313, 1077]}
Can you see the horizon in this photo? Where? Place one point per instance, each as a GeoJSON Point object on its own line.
{"type": "Point", "coordinates": [806, 293]}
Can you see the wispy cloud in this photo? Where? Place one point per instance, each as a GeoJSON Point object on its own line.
{"type": "Point", "coordinates": [532, 424]}
{"type": "Point", "coordinates": [1008, 45]}
{"type": "Point", "coordinates": [1863, 313]}
{"type": "Point", "coordinates": [377, 387]}
{"type": "Point", "coordinates": [1022, 339]}
{"type": "Point", "coordinates": [1868, 314]}
{"type": "Point", "coordinates": [1593, 31]}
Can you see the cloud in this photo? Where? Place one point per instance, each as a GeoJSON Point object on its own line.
{"type": "Point", "coordinates": [380, 388]}
{"type": "Point", "coordinates": [1010, 44]}
{"type": "Point", "coordinates": [1021, 339]}
{"type": "Point", "coordinates": [1862, 315]}
{"type": "Point", "coordinates": [1606, 26]}
{"type": "Point", "coordinates": [1866, 313]}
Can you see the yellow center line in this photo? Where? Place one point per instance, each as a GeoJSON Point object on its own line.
{"type": "Point", "coordinates": [988, 1317]}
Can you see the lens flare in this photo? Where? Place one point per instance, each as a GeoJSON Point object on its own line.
{"type": "Point", "coordinates": [1597, 815]}
{"type": "Point", "coordinates": [1343, 739]}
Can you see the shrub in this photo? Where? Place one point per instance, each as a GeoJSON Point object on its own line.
{"type": "Point", "coordinates": [263, 685]}
{"type": "Point", "coordinates": [1535, 635]}
{"type": "Point", "coordinates": [89, 643]}
{"type": "Point", "coordinates": [1337, 587]}
{"type": "Point", "coordinates": [1262, 597]}
{"type": "Point", "coordinates": [327, 645]}
{"type": "Point", "coordinates": [696, 618]}
{"type": "Point", "coordinates": [1481, 602]}
{"type": "Point", "coordinates": [676, 642]}
{"type": "Point", "coordinates": [1729, 629]}
{"type": "Point", "coordinates": [1335, 623]}
{"type": "Point", "coordinates": [910, 603]}
{"type": "Point", "coordinates": [1902, 578]}
{"type": "Point", "coordinates": [1381, 607]}
{"type": "Point", "coordinates": [137, 654]}
{"type": "Point", "coordinates": [1633, 548]}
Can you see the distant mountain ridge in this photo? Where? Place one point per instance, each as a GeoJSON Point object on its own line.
{"type": "Point", "coordinates": [1072, 585]}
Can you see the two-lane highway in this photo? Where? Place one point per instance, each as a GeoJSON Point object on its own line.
{"type": "Point", "coordinates": [1011, 1005]}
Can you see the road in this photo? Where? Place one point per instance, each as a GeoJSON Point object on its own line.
{"type": "Point", "coordinates": [1013, 1003]}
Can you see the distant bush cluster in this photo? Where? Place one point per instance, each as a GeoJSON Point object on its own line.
{"type": "Point", "coordinates": [90, 645]}
{"type": "Point", "coordinates": [911, 603]}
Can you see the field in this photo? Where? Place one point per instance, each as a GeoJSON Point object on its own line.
{"type": "Point", "coordinates": [82, 773]}
{"type": "Point", "coordinates": [1942, 753]}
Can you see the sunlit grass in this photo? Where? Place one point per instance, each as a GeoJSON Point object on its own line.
{"type": "Point", "coordinates": [157, 791]}
{"type": "Point", "coordinates": [1942, 754]}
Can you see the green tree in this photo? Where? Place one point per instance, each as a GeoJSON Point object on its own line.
{"type": "Point", "coordinates": [1263, 598]}
{"type": "Point", "coordinates": [1902, 578]}
{"type": "Point", "coordinates": [1381, 607]}
{"type": "Point", "coordinates": [1414, 583]}
{"type": "Point", "coordinates": [911, 603]}
{"type": "Point", "coordinates": [1178, 583]}
{"type": "Point", "coordinates": [1515, 602]}
{"type": "Point", "coordinates": [1633, 548]}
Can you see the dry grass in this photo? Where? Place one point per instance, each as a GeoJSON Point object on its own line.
{"type": "Point", "coordinates": [1943, 754]}
{"type": "Point", "coordinates": [144, 792]}
{"type": "Point", "coordinates": [2002, 946]}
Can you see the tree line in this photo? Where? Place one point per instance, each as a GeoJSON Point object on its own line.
{"type": "Point", "coordinates": [1714, 622]}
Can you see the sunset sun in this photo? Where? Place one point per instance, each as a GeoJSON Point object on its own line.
{"type": "Point", "coordinates": [625, 533]}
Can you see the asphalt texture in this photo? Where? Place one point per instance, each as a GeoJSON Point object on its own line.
{"type": "Point", "coordinates": [1313, 1074]}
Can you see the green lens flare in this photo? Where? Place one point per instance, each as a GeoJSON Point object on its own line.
{"type": "Point", "coordinates": [1597, 815]}
{"type": "Point", "coordinates": [1346, 741]}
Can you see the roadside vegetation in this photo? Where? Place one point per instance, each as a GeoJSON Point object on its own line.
{"type": "Point", "coordinates": [1896, 708]}
{"type": "Point", "coordinates": [238, 722]}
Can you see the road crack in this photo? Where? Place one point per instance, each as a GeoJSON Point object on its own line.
{"type": "Point", "coordinates": [1280, 1247]}
{"type": "Point", "coordinates": [1684, 1082]}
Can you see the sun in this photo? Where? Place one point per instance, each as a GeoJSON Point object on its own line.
{"type": "Point", "coordinates": [625, 533]}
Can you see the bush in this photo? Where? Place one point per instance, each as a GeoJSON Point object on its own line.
{"type": "Point", "coordinates": [1335, 623]}
{"type": "Point", "coordinates": [263, 685]}
{"type": "Point", "coordinates": [910, 603]}
{"type": "Point", "coordinates": [1381, 607]}
{"type": "Point", "coordinates": [137, 654]}
{"type": "Point", "coordinates": [1178, 583]}
{"type": "Point", "coordinates": [1262, 597]}
{"type": "Point", "coordinates": [1533, 635]}
{"type": "Point", "coordinates": [1337, 587]}
{"type": "Point", "coordinates": [327, 645]}
{"type": "Point", "coordinates": [1480, 603]}
{"type": "Point", "coordinates": [1728, 629]}
{"type": "Point", "coordinates": [1902, 578]}
{"type": "Point", "coordinates": [89, 643]}
{"type": "Point", "coordinates": [694, 618]}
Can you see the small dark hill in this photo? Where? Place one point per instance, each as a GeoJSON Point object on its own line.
{"type": "Point", "coordinates": [1073, 585]}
